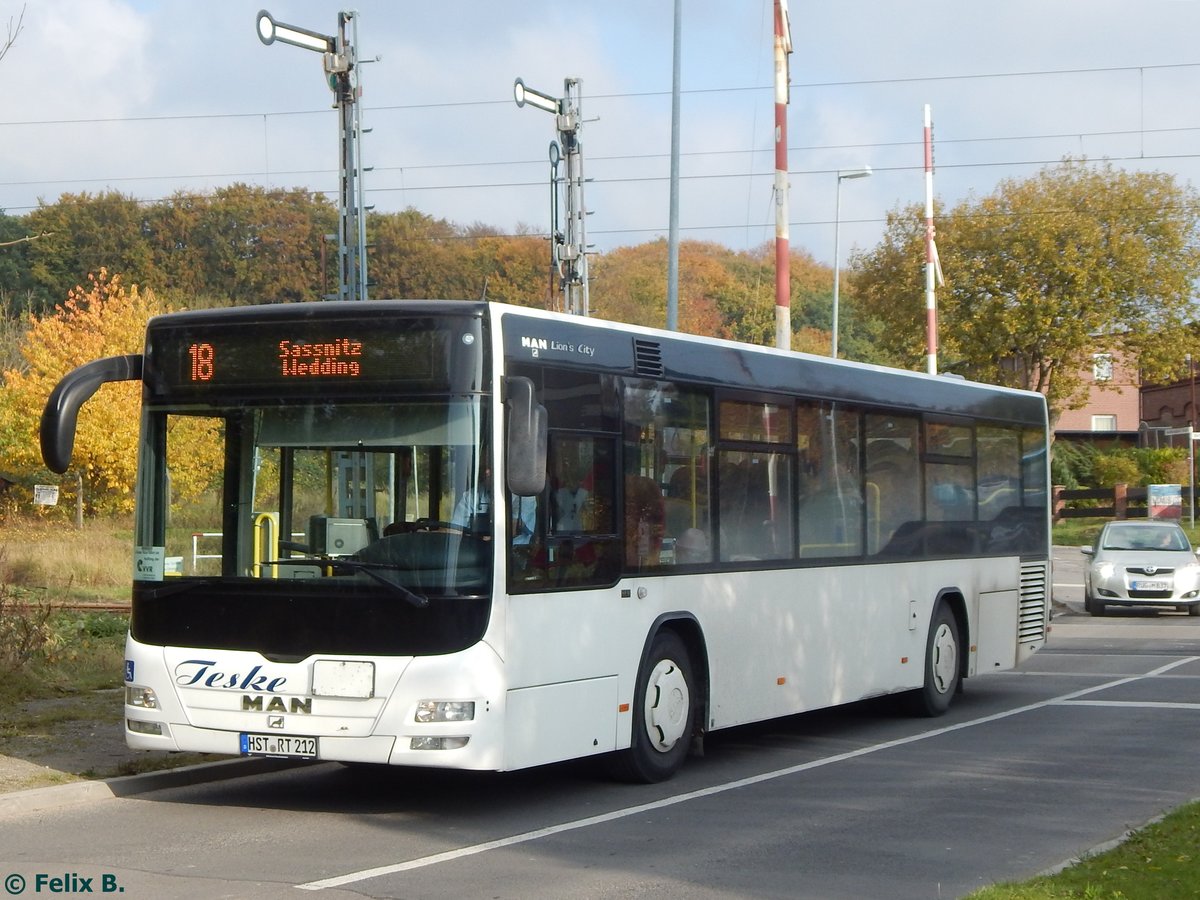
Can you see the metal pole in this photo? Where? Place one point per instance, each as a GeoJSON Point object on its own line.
{"type": "Point", "coordinates": [783, 278]}
{"type": "Point", "coordinates": [360, 200]}
{"type": "Point", "coordinates": [351, 266]}
{"type": "Point", "coordinates": [864, 172]}
{"type": "Point", "coordinates": [930, 251]}
{"type": "Point", "coordinates": [575, 250]}
{"type": "Point", "coordinates": [673, 215]}
{"type": "Point", "coordinates": [837, 232]}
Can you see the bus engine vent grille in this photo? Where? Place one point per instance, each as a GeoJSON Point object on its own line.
{"type": "Point", "coordinates": [1031, 622]}
{"type": "Point", "coordinates": [647, 358]}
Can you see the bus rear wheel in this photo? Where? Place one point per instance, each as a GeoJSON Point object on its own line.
{"type": "Point", "coordinates": [663, 713]}
{"type": "Point", "coordinates": [942, 673]}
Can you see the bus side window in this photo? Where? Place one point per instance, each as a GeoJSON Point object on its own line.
{"type": "Point", "coordinates": [666, 484]}
{"type": "Point", "coordinates": [893, 478]}
{"type": "Point", "coordinates": [830, 518]}
{"type": "Point", "coordinates": [755, 458]}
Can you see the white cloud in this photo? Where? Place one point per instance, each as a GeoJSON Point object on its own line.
{"type": "Point", "coordinates": [198, 101]}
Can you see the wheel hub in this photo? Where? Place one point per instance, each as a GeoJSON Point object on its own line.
{"type": "Point", "coordinates": [945, 658]}
{"type": "Point", "coordinates": [667, 704]}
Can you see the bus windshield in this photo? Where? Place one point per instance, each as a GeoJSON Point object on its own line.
{"type": "Point", "coordinates": [390, 498]}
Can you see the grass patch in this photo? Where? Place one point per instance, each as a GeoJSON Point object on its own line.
{"type": "Point", "coordinates": [92, 564]}
{"type": "Point", "coordinates": [81, 652]}
{"type": "Point", "coordinates": [1160, 861]}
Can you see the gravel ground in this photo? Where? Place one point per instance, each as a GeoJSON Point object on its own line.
{"type": "Point", "coordinates": [71, 739]}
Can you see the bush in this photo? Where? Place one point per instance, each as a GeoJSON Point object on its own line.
{"type": "Point", "coordinates": [1071, 464]}
{"type": "Point", "coordinates": [1112, 468]}
{"type": "Point", "coordinates": [26, 634]}
{"type": "Point", "coordinates": [1084, 466]}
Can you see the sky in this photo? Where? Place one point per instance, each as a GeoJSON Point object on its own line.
{"type": "Point", "coordinates": [153, 97]}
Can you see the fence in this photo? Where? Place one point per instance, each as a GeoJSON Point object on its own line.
{"type": "Point", "coordinates": [1118, 502]}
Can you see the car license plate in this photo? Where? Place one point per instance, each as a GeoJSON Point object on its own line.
{"type": "Point", "coordinates": [1150, 585]}
{"type": "Point", "coordinates": [279, 745]}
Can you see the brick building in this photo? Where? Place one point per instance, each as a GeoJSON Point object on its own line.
{"type": "Point", "coordinates": [1113, 411]}
{"type": "Point", "coordinates": [1168, 406]}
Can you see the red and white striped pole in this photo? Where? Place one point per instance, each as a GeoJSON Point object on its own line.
{"type": "Point", "coordinates": [930, 252]}
{"type": "Point", "coordinates": [783, 277]}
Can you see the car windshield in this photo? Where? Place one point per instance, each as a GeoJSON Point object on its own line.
{"type": "Point", "coordinates": [1139, 537]}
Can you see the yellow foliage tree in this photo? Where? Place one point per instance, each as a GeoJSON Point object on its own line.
{"type": "Point", "coordinates": [103, 319]}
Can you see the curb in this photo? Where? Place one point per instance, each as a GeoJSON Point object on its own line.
{"type": "Point", "coordinates": [17, 803]}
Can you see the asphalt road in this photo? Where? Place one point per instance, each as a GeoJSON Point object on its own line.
{"type": "Point", "coordinates": [1095, 736]}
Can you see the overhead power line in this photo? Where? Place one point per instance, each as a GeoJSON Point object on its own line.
{"type": "Point", "coordinates": [455, 104]}
{"type": "Point", "coordinates": [633, 157]}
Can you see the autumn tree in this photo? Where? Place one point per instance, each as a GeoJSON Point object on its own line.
{"type": "Point", "coordinates": [418, 256]}
{"type": "Point", "coordinates": [103, 319]}
{"type": "Point", "coordinates": [629, 284]}
{"type": "Point", "coordinates": [1044, 273]}
{"type": "Point", "coordinates": [513, 268]}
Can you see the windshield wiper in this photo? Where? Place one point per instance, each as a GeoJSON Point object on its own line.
{"type": "Point", "coordinates": [374, 571]}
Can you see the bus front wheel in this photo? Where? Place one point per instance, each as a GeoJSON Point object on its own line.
{"type": "Point", "coordinates": [663, 713]}
{"type": "Point", "coordinates": [942, 672]}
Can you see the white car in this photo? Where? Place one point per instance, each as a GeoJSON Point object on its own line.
{"type": "Point", "coordinates": [1141, 563]}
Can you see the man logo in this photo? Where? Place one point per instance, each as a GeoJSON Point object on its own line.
{"type": "Point", "coordinates": [275, 704]}
{"type": "Point", "coordinates": [274, 721]}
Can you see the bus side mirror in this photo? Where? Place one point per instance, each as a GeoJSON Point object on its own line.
{"type": "Point", "coordinates": [76, 388]}
{"type": "Point", "coordinates": [525, 452]}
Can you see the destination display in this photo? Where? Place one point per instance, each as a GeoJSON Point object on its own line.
{"type": "Point", "coordinates": [294, 354]}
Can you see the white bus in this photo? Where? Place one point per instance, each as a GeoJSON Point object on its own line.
{"type": "Point", "coordinates": [682, 535]}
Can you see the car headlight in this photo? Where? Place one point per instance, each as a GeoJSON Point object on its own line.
{"type": "Point", "coordinates": [1187, 573]}
{"type": "Point", "coordinates": [1105, 570]}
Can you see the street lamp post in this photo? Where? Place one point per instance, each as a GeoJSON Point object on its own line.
{"type": "Point", "coordinates": [864, 172]}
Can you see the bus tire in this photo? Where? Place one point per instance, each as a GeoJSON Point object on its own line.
{"type": "Point", "coordinates": [663, 714]}
{"type": "Point", "coordinates": [943, 676]}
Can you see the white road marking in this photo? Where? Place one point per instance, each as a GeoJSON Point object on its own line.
{"type": "Point", "coordinates": [538, 834]}
{"type": "Point", "coordinates": [1133, 704]}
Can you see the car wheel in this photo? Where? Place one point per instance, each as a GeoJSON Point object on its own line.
{"type": "Point", "coordinates": [1194, 609]}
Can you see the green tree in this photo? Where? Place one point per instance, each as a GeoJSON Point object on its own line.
{"type": "Point", "coordinates": [16, 287]}
{"type": "Point", "coordinates": [83, 233]}
{"type": "Point", "coordinates": [1042, 274]}
{"type": "Point", "coordinates": [251, 244]}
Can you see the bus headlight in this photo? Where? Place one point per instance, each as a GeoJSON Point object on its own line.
{"type": "Point", "coordinates": [438, 743]}
{"type": "Point", "coordinates": [141, 697]}
{"type": "Point", "coordinates": [445, 711]}
{"type": "Point", "coordinates": [154, 728]}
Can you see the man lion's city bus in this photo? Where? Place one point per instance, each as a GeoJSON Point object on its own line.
{"type": "Point", "coordinates": [470, 535]}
